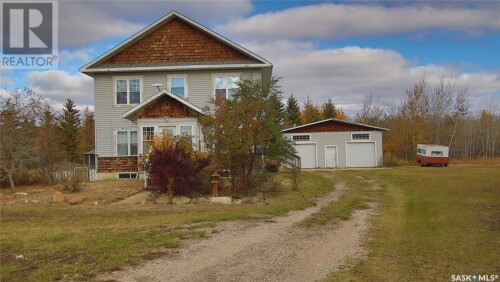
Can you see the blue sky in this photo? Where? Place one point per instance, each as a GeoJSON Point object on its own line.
{"type": "Point", "coordinates": [343, 50]}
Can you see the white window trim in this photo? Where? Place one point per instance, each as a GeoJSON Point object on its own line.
{"type": "Point", "coordinates": [361, 140]}
{"type": "Point", "coordinates": [157, 127]}
{"type": "Point", "coordinates": [169, 84]}
{"type": "Point", "coordinates": [140, 147]}
{"type": "Point", "coordinates": [179, 129]}
{"type": "Point", "coordinates": [215, 75]}
{"type": "Point", "coordinates": [115, 78]}
{"type": "Point", "coordinates": [115, 133]}
{"type": "Point", "coordinates": [301, 141]}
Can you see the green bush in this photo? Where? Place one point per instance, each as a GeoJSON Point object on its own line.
{"type": "Point", "coordinates": [295, 177]}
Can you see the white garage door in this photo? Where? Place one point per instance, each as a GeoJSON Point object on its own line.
{"type": "Point", "coordinates": [360, 154]}
{"type": "Point", "coordinates": [330, 156]}
{"type": "Point", "coordinates": [307, 154]}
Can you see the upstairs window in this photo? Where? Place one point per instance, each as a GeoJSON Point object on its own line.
{"type": "Point", "coordinates": [361, 136]}
{"type": "Point", "coordinates": [301, 138]}
{"type": "Point", "coordinates": [126, 143]}
{"type": "Point", "coordinates": [177, 84]}
{"type": "Point", "coordinates": [128, 91]}
{"type": "Point", "coordinates": [226, 86]}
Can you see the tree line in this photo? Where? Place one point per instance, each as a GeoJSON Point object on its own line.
{"type": "Point", "coordinates": [428, 114]}
{"type": "Point", "coordinates": [37, 140]}
{"type": "Point", "coordinates": [294, 115]}
{"type": "Point", "coordinates": [435, 114]}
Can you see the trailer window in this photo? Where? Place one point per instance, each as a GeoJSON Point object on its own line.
{"type": "Point", "coordinates": [421, 151]}
{"type": "Point", "coordinates": [436, 153]}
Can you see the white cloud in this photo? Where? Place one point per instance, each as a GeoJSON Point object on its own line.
{"type": "Point", "coordinates": [5, 80]}
{"type": "Point", "coordinates": [81, 54]}
{"type": "Point", "coordinates": [84, 22]}
{"type": "Point", "coordinates": [329, 21]}
{"type": "Point", "coordinates": [57, 86]}
{"type": "Point", "coordinates": [348, 75]}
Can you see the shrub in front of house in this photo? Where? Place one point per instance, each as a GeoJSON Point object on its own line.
{"type": "Point", "coordinates": [173, 166]}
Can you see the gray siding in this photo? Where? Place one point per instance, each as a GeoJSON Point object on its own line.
{"type": "Point", "coordinates": [339, 139]}
{"type": "Point", "coordinates": [107, 114]}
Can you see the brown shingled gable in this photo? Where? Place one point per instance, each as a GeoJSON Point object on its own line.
{"type": "Point", "coordinates": [177, 41]}
{"type": "Point", "coordinates": [330, 126]}
{"type": "Point", "coordinates": [166, 107]}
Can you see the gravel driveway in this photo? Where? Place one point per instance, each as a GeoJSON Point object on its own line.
{"type": "Point", "coordinates": [269, 250]}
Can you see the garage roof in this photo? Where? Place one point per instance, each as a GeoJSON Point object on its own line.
{"type": "Point", "coordinates": [353, 126]}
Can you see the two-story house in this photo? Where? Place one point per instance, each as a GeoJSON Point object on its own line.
{"type": "Point", "coordinates": [157, 82]}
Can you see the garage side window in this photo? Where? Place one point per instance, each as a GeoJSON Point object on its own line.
{"type": "Point", "coordinates": [301, 138]}
{"type": "Point", "coordinates": [361, 136]}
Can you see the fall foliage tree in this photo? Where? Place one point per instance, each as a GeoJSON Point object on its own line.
{"type": "Point", "coordinates": [238, 132]}
{"type": "Point", "coordinates": [48, 151]}
{"type": "Point", "coordinates": [86, 132]}
{"type": "Point", "coordinates": [310, 113]}
{"type": "Point", "coordinates": [19, 112]}
{"type": "Point", "coordinates": [371, 113]}
{"type": "Point", "coordinates": [341, 115]}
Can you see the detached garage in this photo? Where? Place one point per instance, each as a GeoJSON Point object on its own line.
{"type": "Point", "coordinates": [335, 143]}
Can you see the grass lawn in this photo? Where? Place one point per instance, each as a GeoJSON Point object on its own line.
{"type": "Point", "coordinates": [433, 223]}
{"type": "Point", "coordinates": [59, 241]}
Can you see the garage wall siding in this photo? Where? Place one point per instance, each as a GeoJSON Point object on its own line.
{"type": "Point", "coordinates": [339, 139]}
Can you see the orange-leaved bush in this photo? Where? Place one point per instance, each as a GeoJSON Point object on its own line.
{"type": "Point", "coordinates": [172, 166]}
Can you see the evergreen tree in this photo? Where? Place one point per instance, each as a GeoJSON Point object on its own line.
{"type": "Point", "coordinates": [69, 121]}
{"type": "Point", "coordinates": [311, 112]}
{"type": "Point", "coordinates": [292, 112]}
{"type": "Point", "coordinates": [48, 151]}
{"type": "Point", "coordinates": [87, 132]}
{"type": "Point", "coordinates": [328, 110]}
{"type": "Point", "coordinates": [238, 132]}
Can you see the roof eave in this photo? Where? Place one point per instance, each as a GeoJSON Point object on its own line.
{"type": "Point", "coordinates": [161, 68]}
{"type": "Point", "coordinates": [129, 113]}
{"type": "Point", "coordinates": [337, 120]}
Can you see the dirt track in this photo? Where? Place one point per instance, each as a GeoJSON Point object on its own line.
{"type": "Point", "coordinates": [270, 250]}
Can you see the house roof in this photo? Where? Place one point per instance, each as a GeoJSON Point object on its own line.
{"type": "Point", "coordinates": [337, 121]}
{"type": "Point", "coordinates": [96, 65]}
{"type": "Point", "coordinates": [128, 114]}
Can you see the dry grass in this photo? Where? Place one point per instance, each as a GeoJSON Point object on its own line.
{"type": "Point", "coordinates": [433, 223]}
{"type": "Point", "coordinates": [480, 161]}
{"type": "Point", "coordinates": [59, 241]}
